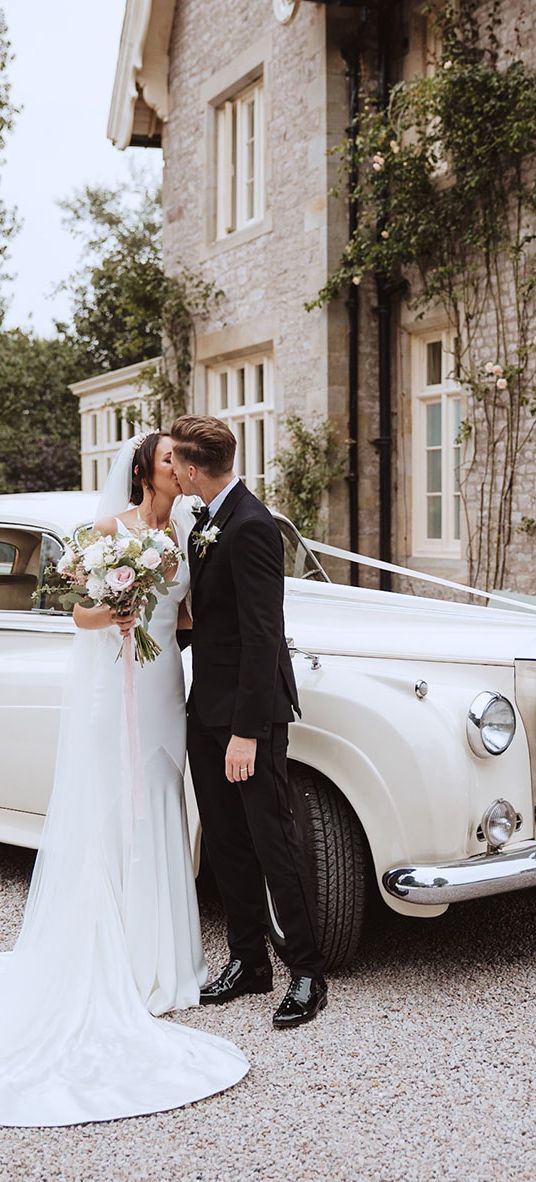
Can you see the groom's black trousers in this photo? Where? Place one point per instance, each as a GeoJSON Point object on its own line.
{"type": "Point", "coordinates": [250, 832]}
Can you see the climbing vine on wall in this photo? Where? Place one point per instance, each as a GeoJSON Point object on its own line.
{"type": "Point", "coordinates": [305, 470]}
{"type": "Point", "coordinates": [187, 299]}
{"type": "Point", "coordinates": [446, 207]}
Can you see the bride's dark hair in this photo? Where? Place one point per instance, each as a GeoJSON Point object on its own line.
{"type": "Point", "coordinates": [143, 466]}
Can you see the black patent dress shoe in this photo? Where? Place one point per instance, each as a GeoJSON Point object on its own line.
{"type": "Point", "coordinates": [304, 998]}
{"type": "Point", "coordinates": [237, 979]}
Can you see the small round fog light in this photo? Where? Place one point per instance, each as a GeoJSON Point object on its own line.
{"type": "Point", "coordinates": [499, 823]}
{"type": "Point", "coordinates": [491, 724]}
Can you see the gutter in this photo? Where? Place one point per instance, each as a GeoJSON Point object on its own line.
{"type": "Point", "coordinates": [352, 56]}
{"type": "Point", "coordinates": [384, 442]}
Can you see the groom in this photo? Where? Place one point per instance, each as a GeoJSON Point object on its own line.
{"type": "Point", "coordinates": [242, 700]}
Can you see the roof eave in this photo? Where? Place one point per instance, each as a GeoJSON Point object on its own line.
{"type": "Point", "coordinates": [142, 66]}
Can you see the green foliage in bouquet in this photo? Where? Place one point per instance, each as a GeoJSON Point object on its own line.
{"type": "Point", "coordinates": [100, 570]}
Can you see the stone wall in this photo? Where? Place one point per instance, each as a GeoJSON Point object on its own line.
{"type": "Point", "coordinates": [267, 277]}
{"type": "Point", "coordinates": [268, 274]}
{"type": "Point", "coordinates": [515, 39]}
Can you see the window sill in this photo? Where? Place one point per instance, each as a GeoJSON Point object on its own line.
{"type": "Point", "coordinates": [239, 237]}
{"type": "Point", "coordinates": [436, 563]}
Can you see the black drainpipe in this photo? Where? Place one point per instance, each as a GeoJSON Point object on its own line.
{"type": "Point", "coordinates": [383, 443]}
{"type": "Point", "coordinates": [351, 53]}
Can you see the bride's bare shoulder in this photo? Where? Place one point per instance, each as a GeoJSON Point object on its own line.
{"type": "Point", "coordinates": [106, 526]}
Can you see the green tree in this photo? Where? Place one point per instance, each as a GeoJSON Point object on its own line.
{"type": "Point", "coordinates": [125, 308]}
{"type": "Point", "coordinates": [39, 420]}
{"type": "Point", "coordinates": [119, 294]}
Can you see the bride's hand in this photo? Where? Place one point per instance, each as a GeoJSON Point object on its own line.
{"type": "Point", "coordinates": [102, 617]}
{"type": "Point", "coordinates": [124, 623]}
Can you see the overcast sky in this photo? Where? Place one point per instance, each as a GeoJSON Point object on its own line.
{"type": "Point", "coordinates": [65, 55]}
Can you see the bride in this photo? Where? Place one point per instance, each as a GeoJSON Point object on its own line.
{"type": "Point", "coordinates": [111, 935]}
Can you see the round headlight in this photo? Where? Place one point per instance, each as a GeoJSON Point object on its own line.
{"type": "Point", "coordinates": [499, 822]}
{"type": "Point", "coordinates": [491, 724]}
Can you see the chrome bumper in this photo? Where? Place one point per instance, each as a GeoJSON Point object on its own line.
{"type": "Point", "coordinates": [483, 874]}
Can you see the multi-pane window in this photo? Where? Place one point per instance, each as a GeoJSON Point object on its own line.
{"type": "Point", "coordinates": [437, 407]}
{"type": "Point", "coordinates": [103, 432]}
{"type": "Point", "coordinates": [240, 161]}
{"type": "Point", "coordinates": [241, 393]}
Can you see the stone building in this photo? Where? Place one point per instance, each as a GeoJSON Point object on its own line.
{"type": "Point", "coordinates": [246, 100]}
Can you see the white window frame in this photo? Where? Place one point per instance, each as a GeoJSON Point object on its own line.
{"type": "Point", "coordinates": [231, 161]}
{"type": "Point", "coordinates": [99, 438]}
{"type": "Point", "coordinates": [243, 418]}
{"type": "Point", "coordinates": [447, 393]}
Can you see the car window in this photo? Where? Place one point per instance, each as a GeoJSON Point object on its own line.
{"type": "Point", "coordinates": [24, 555]}
{"type": "Point", "coordinates": [50, 554]}
{"type": "Point", "coordinates": [299, 562]}
{"type": "Point", "coordinates": [8, 558]}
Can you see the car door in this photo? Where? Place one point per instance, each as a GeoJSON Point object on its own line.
{"type": "Point", "coordinates": [35, 638]}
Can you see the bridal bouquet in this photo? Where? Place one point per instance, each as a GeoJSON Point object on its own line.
{"type": "Point", "coordinates": [126, 574]}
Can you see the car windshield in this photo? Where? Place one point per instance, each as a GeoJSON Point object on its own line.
{"type": "Point", "coordinates": [300, 563]}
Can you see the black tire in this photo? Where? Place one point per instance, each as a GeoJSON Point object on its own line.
{"type": "Point", "coordinates": [339, 862]}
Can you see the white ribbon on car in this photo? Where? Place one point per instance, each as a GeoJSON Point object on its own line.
{"type": "Point", "coordinates": [377, 564]}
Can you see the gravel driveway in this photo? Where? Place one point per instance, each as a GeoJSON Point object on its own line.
{"type": "Point", "coordinates": [421, 1068]}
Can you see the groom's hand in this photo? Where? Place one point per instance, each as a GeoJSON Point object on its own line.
{"type": "Point", "coordinates": [240, 759]}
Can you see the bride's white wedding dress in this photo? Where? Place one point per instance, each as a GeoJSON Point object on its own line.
{"type": "Point", "coordinates": [111, 930]}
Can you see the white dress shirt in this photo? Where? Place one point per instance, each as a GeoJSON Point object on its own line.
{"type": "Point", "coordinates": [218, 500]}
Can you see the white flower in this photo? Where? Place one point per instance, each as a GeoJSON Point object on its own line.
{"type": "Point", "coordinates": [385, 233]}
{"type": "Point", "coordinates": [498, 371]}
{"type": "Point", "coordinates": [94, 555]}
{"type": "Point", "coordinates": [121, 578]}
{"type": "Point", "coordinates": [489, 367]}
{"type": "Point", "coordinates": [378, 162]}
{"type": "Point", "coordinates": [150, 559]}
{"type": "Point", "coordinates": [356, 279]}
{"type": "Point", "coordinates": [95, 587]}
{"type": "Point", "coordinates": [65, 560]}
{"type": "Point", "coordinates": [447, 65]}
{"type": "Point", "coordinates": [211, 533]}
{"type": "Point", "coordinates": [502, 384]}
{"type": "Point", "coordinates": [121, 547]}
{"type": "Point", "coordinates": [394, 146]}
{"type": "Point", "coordinates": [162, 542]}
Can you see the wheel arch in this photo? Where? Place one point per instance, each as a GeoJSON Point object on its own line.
{"type": "Point", "coordinates": [353, 773]}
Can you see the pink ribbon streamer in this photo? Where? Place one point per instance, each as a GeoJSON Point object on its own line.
{"type": "Point", "coordinates": [133, 752]}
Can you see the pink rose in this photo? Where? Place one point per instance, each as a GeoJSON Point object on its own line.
{"type": "Point", "coordinates": [150, 558]}
{"type": "Point", "coordinates": [121, 578]}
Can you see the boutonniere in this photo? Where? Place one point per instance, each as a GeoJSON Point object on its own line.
{"type": "Point", "coordinates": [204, 538]}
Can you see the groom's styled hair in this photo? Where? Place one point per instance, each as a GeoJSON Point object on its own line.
{"type": "Point", "coordinates": [206, 442]}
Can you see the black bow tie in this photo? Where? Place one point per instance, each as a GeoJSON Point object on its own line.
{"type": "Point", "coordinates": [202, 517]}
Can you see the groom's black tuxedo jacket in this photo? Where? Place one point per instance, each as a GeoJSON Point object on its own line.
{"type": "Point", "coordinates": [242, 671]}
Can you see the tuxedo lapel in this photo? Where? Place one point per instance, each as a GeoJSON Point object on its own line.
{"type": "Point", "coordinates": [226, 510]}
{"type": "Point", "coordinates": [220, 519]}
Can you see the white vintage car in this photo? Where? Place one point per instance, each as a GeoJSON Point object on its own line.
{"type": "Point", "coordinates": [414, 764]}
